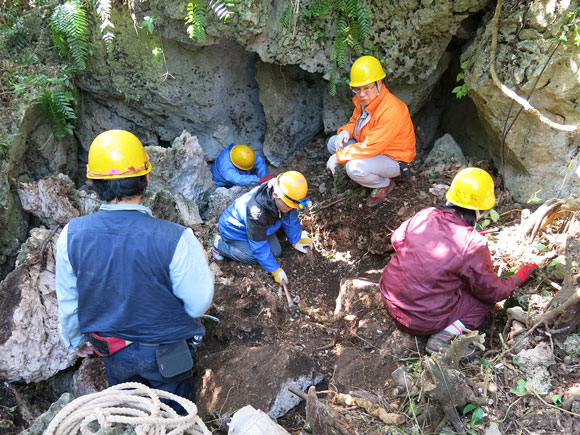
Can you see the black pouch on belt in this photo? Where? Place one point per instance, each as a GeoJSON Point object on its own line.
{"type": "Point", "coordinates": [405, 170]}
{"type": "Point", "coordinates": [174, 361]}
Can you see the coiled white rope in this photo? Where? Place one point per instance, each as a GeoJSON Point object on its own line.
{"type": "Point", "coordinates": [132, 404]}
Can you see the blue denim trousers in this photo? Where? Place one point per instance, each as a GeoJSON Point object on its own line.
{"type": "Point", "coordinates": [138, 363]}
{"type": "Point", "coordinates": [242, 251]}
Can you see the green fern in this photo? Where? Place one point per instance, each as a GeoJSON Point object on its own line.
{"type": "Point", "coordinates": [103, 9]}
{"type": "Point", "coordinates": [196, 17]}
{"type": "Point", "coordinates": [351, 30]}
{"type": "Point", "coordinates": [58, 107]}
{"type": "Point", "coordinates": [70, 32]}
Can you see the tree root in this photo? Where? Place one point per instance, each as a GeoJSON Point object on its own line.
{"type": "Point", "coordinates": [370, 408]}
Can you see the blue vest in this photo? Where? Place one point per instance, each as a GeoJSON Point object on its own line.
{"type": "Point", "coordinates": [121, 260]}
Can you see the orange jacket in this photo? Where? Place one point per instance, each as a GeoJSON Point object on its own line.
{"type": "Point", "coordinates": [389, 130]}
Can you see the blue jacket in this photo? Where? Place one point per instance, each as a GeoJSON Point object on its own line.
{"type": "Point", "coordinates": [121, 260]}
{"type": "Point", "coordinates": [226, 174]}
{"type": "Point", "coordinates": [253, 217]}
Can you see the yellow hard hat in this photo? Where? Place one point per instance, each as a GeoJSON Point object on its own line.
{"type": "Point", "coordinates": [365, 70]}
{"type": "Point", "coordinates": [117, 154]}
{"type": "Point", "coordinates": [472, 188]}
{"type": "Point", "coordinates": [292, 188]}
{"type": "Point", "coordinates": [243, 157]}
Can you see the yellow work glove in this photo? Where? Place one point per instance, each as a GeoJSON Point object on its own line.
{"type": "Point", "coordinates": [303, 245]}
{"type": "Point", "coordinates": [280, 276]}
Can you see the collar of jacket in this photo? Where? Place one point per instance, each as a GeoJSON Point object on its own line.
{"type": "Point", "coordinates": [375, 103]}
{"type": "Point", "coordinates": [264, 198]}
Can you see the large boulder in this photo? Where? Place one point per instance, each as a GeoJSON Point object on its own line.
{"type": "Point", "coordinates": [540, 161]}
{"type": "Point", "coordinates": [30, 347]}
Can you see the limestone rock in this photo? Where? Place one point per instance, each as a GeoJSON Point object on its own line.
{"type": "Point", "coordinates": [30, 319]}
{"type": "Point", "coordinates": [51, 199]}
{"type": "Point", "coordinates": [539, 160]}
{"type": "Point", "coordinates": [445, 149]}
{"type": "Point", "coordinates": [181, 168]}
{"type": "Point", "coordinates": [220, 199]}
{"type": "Point", "coordinates": [294, 113]}
{"type": "Point", "coordinates": [90, 377]}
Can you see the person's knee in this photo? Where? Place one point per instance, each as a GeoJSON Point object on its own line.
{"type": "Point", "coordinates": [354, 171]}
{"type": "Point", "coordinates": [331, 145]}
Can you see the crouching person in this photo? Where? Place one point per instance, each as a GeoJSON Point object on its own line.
{"type": "Point", "coordinates": [129, 286]}
{"type": "Point", "coordinates": [441, 278]}
{"type": "Point", "coordinates": [247, 228]}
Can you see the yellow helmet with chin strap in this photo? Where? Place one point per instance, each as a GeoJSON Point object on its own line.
{"type": "Point", "coordinates": [472, 188]}
{"type": "Point", "coordinates": [243, 157]}
{"type": "Point", "coordinates": [117, 154]}
{"type": "Point", "coordinates": [365, 70]}
{"type": "Point", "coordinates": [291, 187]}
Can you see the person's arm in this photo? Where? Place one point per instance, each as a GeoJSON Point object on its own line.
{"type": "Point", "coordinates": [67, 296]}
{"type": "Point", "coordinates": [235, 177]}
{"type": "Point", "coordinates": [398, 236]}
{"type": "Point", "coordinates": [484, 282]}
{"type": "Point", "coordinates": [292, 226]}
{"type": "Point", "coordinates": [380, 135]}
{"type": "Point", "coordinates": [191, 277]}
{"type": "Point", "coordinates": [260, 166]}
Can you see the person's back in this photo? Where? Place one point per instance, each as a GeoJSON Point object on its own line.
{"type": "Point", "coordinates": [122, 262]}
{"type": "Point", "coordinates": [441, 278]}
{"type": "Point", "coordinates": [131, 287]}
{"type": "Point", "coordinates": [239, 165]}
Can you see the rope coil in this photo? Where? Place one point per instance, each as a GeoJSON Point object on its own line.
{"type": "Point", "coordinates": [130, 403]}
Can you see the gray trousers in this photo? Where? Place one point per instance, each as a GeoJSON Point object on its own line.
{"type": "Point", "coordinates": [373, 172]}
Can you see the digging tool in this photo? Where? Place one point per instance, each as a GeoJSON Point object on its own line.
{"type": "Point", "coordinates": [291, 305]}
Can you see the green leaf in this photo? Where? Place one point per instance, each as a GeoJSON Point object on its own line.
{"type": "Point", "coordinates": [468, 408]}
{"type": "Point", "coordinates": [520, 389]}
{"type": "Point", "coordinates": [547, 293]}
{"type": "Point", "coordinates": [557, 260]}
{"type": "Point", "coordinates": [477, 417]}
{"type": "Point", "coordinates": [494, 215]}
{"type": "Point", "coordinates": [557, 400]}
{"type": "Point", "coordinates": [541, 247]}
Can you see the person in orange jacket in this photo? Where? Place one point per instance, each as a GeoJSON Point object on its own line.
{"type": "Point", "coordinates": [379, 136]}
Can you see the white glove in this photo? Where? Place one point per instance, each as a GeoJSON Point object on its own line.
{"type": "Point", "coordinates": [342, 139]}
{"type": "Point", "coordinates": [303, 245]}
{"type": "Point", "coordinates": [332, 162]}
{"type": "Point", "coordinates": [280, 276]}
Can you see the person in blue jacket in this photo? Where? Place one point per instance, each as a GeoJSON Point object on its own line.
{"type": "Point", "coordinates": [239, 165]}
{"type": "Point", "coordinates": [131, 287]}
{"type": "Point", "coordinates": [247, 228]}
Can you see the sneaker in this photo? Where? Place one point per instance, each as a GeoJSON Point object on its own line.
{"type": "Point", "coordinates": [377, 195]}
{"type": "Point", "coordinates": [441, 341]}
{"type": "Point", "coordinates": [216, 255]}
{"type": "Point", "coordinates": [214, 250]}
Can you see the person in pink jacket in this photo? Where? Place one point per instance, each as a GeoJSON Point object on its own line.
{"type": "Point", "coordinates": [441, 278]}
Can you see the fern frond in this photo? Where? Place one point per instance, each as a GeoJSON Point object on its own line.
{"type": "Point", "coordinates": [196, 20]}
{"type": "Point", "coordinates": [103, 8]}
{"type": "Point", "coordinates": [58, 107]}
{"type": "Point", "coordinates": [220, 8]}
{"type": "Point", "coordinates": [286, 18]}
{"type": "Point", "coordinates": [70, 32]}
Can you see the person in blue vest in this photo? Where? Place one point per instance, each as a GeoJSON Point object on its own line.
{"type": "Point", "coordinates": [131, 287]}
{"type": "Point", "coordinates": [247, 228]}
{"type": "Point", "coordinates": [239, 165]}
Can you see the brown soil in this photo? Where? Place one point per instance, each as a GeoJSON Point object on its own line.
{"type": "Point", "coordinates": [353, 240]}
{"type": "Point", "coordinates": [360, 352]}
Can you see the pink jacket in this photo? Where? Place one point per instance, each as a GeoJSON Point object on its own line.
{"type": "Point", "coordinates": [438, 256]}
